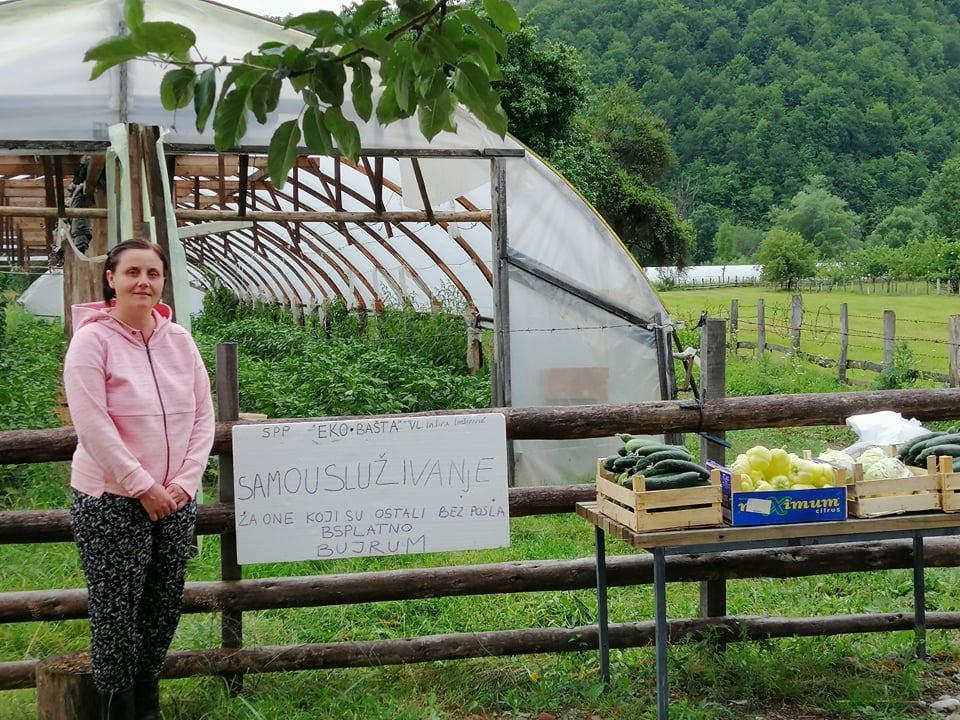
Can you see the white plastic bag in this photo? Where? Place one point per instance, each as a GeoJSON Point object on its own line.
{"type": "Point", "coordinates": [882, 428]}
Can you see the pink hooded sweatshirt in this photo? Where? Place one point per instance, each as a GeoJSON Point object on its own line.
{"type": "Point", "coordinates": [142, 410]}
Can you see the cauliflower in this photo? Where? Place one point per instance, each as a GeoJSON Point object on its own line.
{"type": "Point", "coordinates": [886, 467]}
{"type": "Point", "coordinates": [871, 455]}
{"type": "Point", "coordinates": [838, 458]}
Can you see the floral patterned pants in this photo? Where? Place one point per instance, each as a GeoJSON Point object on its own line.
{"type": "Point", "coordinates": [135, 572]}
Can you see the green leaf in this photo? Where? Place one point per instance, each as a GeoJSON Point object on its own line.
{"type": "Point", "coordinates": [485, 30]}
{"type": "Point", "coordinates": [473, 88]}
{"type": "Point", "coordinates": [315, 133]}
{"type": "Point", "coordinates": [502, 14]}
{"type": "Point", "coordinates": [230, 119]}
{"type": "Point", "coordinates": [203, 96]}
{"type": "Point", "coordinates": [176, 88]}
{"type": "Point", "coordinates": [310, 98]}
{"type": "Point", "coordinates": [478, 47]}
{"type": "Point", "coordinates": [325, 25]}
{"type": "Point", "coordinates": [362, 90]}
{"type": "Point", "coordinates": [264, 96]}
{"type": "Point", "coordinates": [133, 13]}
{"type": "Point", "coordinates": [437, 114]}
{"type": "Point", "coordinates": [387, 110]}
{"type": "Point", "coordinates": [282, 153]}
{"type": "Point", "coordinates": [343, 131]}
{"type": "Point", "coordinates": [403, 88]}
{"type": "Point", "coordinates": [366, 14]}
{"type": "Point", "coordinates": [375, 42]}
{"type": "Point", "coordinates": [329, 78]}
{"type": "Point", "coordinates": [110, 52]}
{"type": "Point", "coordinates": [165, 38]}
{"type": "Point", "coordinates": [430, 86]}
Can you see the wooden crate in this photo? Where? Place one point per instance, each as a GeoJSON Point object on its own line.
{"type": "Point", "coordinates": [644, 510]}
{"type": "Point", "coordinates": [920, 493]}
{"type": "Point", "coordinates": [949, 485]}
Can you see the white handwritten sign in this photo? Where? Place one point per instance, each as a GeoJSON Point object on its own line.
{"type": "Point", "coordinates": [396, 486]}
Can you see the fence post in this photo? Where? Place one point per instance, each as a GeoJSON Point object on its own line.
{"type": "Point", "coordinates": [734, 323]}
{"type": "Point", "coordinates": [228, 408]}
{"type": "Point", "coordinates": [844, 343]}
{"type": "Point", "coordinates": [667, 368]}
{"type": "Point", "coordinates": [953, 337]}
{"type": "Point", "coordinates": [761, 330]}
{"type": "Point", "coordinates": [796, 320]}
{"type": "Point", "coordinates": [889, 338]}
{"type": "Point", "coordinates": [713, 385]}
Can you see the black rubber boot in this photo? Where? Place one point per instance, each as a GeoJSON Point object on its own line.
{"type": "Point", "coordinates": [147, 699]}
{"type": "Point", "coordinates": [117, 705]}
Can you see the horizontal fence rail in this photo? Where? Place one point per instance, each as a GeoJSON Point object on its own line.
{"type": "Point", "coordinates": [584, 421]}
{"type": "Point", "coordinates": [501, 578]}
{"type": "Point", "coordinates": [500, 643]}
{"type": "Point", "coordinates": [41, 526]}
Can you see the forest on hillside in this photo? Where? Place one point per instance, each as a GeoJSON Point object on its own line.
{"type": "Point", "coordinates": [717, 120]}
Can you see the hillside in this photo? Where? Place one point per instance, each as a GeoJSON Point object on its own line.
{"type": "Point", "coordinates": [761, 96]}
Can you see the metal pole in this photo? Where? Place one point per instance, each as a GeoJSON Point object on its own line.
{"type": "Point", "coordinates": [660, 626]}
{"type": "Point", "coordinates": [603, 631]}
{"type": "Point", "coordinates": [919, 607]}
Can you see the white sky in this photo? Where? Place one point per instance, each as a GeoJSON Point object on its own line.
{"type": "Point", "coordinates": [282, 7]}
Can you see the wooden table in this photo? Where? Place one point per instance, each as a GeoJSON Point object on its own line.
{"type": "Point", "coordinates": [726, 539]}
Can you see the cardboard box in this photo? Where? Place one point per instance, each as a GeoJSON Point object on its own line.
{"type": "Point", "coordinates": [778, 507]}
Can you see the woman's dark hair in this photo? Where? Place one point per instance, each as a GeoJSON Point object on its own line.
{"type": "Point", "coordinates": [113, 259]}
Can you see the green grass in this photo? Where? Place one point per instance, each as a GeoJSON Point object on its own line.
{"type": "Point", "coordinates": [921, 320]}
{"type": "Point", "coordinates": [857, 676]}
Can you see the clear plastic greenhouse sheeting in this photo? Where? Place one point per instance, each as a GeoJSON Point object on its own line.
{"type": "Point", "coordinates": [564, 351]}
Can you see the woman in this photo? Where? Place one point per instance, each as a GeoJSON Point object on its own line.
{"type": "Point", "coordinates": [139, 398]}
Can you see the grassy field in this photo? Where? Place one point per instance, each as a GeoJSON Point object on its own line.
{"type": "Point", "coordinates": [790, 678]}
{"type": "Point", "coordinates": [921, 320]}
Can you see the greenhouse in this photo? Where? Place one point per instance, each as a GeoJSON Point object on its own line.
{"type": "Point", "coordinates": [468, 221]}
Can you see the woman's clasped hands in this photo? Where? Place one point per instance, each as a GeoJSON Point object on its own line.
{"type": "Point", "coordinates": [160, 501]}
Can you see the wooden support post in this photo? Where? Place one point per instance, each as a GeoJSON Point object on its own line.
{"type": "Point", "coordinates": [761, 329]}
{"type": "Point", "coordinates": [471, 316]}
{"type": "Point", "coordinates": [953, 349]}
{"type": "Point", "coordinates": [796, 322]}
{"type": "Point", "coordinates": [65, 689]}
{"type": "Point", "coordinates": [734, 323]}
{"type": "Point", "coordinates": [889, 338]}
{"type": "Point", "coordinates": [501, 294]}
{"type": "Point", "coordinates": [713, 385]}
{"type": "Point", "coordinates": [228, 408]}
{"type": "Point", "coordinates": [667, 369]}
{"type": "Point", "coordinates": [844, 343]}
{"type": "Point", "coordinates": [153, 173]}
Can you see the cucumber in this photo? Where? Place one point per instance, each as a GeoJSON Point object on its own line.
{"type": "Point", "coordinates": [637, 443]}
{"type": "Point", "coordinates": [608, 463]}
{"type": "Point", "coordinates": [650, 449]}
{"type": "Point", "coordinates": [621, 451]}
{"type": "Point", "coordinates": [904, 451]}
{"type": "Point", "coordinates": [624, 463]}
{"type": "Point", "coordinates": [654, 458]}
{"type": "Point", "coordinates": [674, 481]}
{"type": "Point", "coordinates": [624, 437]}
{"type": "Point", "coordinates": [666, 467]}
{"type": "Point", "coordinates": [918, 449]}
{"type": "Point", "coordinates": [951, 449]}
{"type": "Point", "coordinates": [956, 465]}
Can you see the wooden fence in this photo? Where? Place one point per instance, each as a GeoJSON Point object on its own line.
{"type": "Point", "coordinates": [842, 361]}
{"type": "Point", "coordinates": [232, 596]}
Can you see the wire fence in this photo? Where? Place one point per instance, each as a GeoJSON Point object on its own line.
{"type": "Point", "coordinates": [827, 334]}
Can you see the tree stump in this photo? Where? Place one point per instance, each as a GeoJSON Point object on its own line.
{"type": "Point", "coordinates": [65, 689]}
